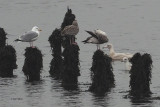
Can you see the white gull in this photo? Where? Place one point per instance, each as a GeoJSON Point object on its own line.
{"type": "Point", "coordinates": [30, 36]}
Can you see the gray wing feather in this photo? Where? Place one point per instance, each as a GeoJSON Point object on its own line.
{"type": "Point", "coordinates": [102, 38]}
{"type": "Point", "coordinates": [29, 36]}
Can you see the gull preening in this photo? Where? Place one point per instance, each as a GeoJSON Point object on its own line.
{"type": "Point", "coordinates": [71, 30]}
{"type": "Point", "coordinates": [97, 37]}
{"type": "Point", "coordinates": [117, 56]}
{"type": "Point", "coordinates": [128, 65]}
{"type": "Point", "coordinates": [30, 36]}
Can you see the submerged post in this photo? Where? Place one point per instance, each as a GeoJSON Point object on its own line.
{"type": "Point", "coordinates": [33, 64]}
{"type": "Point", "coordinates": [7, 56]}
{"type": "Point", "coordinates": [101, 73]}
{"type": "Point", "coordinates": [71, 65]}
{"type": "Point", "coordinates": [140, 75]}
{"type": "Point", "coordinates": [56, 65]}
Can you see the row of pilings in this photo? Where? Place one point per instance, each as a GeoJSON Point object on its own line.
{"type": "Point", "coordinates": [65, 64]}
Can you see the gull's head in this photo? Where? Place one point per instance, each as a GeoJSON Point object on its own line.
{"type": "Point", "coordinates": [36, 29]}
{"type": "Point", "coordinates": [125, 59]}
{"type": "Point", "coordinates": [75, 23]}
{"type": "Point", "coordinates": [109, 46]}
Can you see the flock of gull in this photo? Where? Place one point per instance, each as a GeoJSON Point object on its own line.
{"type": "Point", "coordinates": [97, 37]}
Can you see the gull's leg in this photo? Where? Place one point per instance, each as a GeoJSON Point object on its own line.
{"type": "Point", "coordinates": [32, 45]}
{"type": "Point", "coordinates": [73, 41]}
{"type": "Point", "coordinates": [97, 46]}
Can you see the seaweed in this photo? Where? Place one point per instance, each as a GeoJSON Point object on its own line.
{"type": "Point", "coordinates": [140, 75]}
{"type": "Point", "coordinates": [33, 64]}
{"type": "Point", "coordinates": [56, 65]}
{"type": "Point", "coordinates": [71, 65]}
{"type": "Point", "coordinates": [101, 73]}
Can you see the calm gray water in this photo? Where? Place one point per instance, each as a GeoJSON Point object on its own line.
{"type": "Point", "coordinates": [132, 26]}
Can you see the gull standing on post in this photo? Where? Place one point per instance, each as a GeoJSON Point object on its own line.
{"type": "Point", "coordinates": [97, 37]}
{"type": "Point", "coordinates": [30, 36]}
{"type": "Point", "coordinates": [71, 30]}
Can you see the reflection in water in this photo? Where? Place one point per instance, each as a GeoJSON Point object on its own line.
{"type": "Point", "coordinates": [100, 100]}
{"type": "Point", "coordinates": [71, 98]}
{"type": "Point", "coordinates": [71, 87]}
{"type": "Point", "coordinates": [34, 91]}
{"type": "Point", "coordinates": [146, 101]}
{"type": "Point", "coordinates": [66, 96]}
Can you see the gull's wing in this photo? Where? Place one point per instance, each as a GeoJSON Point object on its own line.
{"type": "Point", "coordinates": [93, 34]}
{"type": "Point", "coordinates": [29, 36]}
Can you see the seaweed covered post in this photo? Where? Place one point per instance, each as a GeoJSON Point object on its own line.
{"type": "Point", "coordinates": [71, 65]}
{"type": "Point", "coordinates": [2, 37]}
{"type": "Point", "coordinates": [69, 29]}
{"type": "Point", "coordinates": [7, 61]}
{"type": "Point", "coordinates": [140, 75]}
{"type": "Point", "coordinates": [56, 65]}
{"type": "Point", "coordinates": [101, 73]}
{"type": "Point", "coordinates": [7, 56]}
{"type": "Point", "coordinates": [33, 64]}
{"type": "Point", "coordinates": [68, 19]}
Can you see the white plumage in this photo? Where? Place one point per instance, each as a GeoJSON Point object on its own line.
{"type": "Point", "coordinates": [30, 36]}
{"type": "Point", "coordinates": [128, 65]}
{"type": "Point", "coordinates": [117, 56]}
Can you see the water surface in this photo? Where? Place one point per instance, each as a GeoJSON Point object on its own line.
{"type": "Point", "coordinates": [132, 26]}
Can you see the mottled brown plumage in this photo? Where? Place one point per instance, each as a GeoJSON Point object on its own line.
{"type": "Point", "coordinates": [71, 29]}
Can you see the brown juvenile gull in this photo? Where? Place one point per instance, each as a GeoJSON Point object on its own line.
{"type": "Point", "coordinates": [30, 36]}
{"type": "Point", "coordinates": [71, 30]}
{"type": "Point", "coordinates": [97, 37]}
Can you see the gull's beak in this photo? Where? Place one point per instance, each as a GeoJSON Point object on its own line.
{"type": "Point", "coordinates": [39, 30]}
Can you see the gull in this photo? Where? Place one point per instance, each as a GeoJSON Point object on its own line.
{"type": "Point", "coordinates": [117, 56]}
{"type": "Point", "coordinates": [71, 30]}
{"type": "Point", "coordinates": [97, 37]}
{"type": "Point", "coordinates": [30, 36]}
{"type": "Point", "coordinates": [128, 65]}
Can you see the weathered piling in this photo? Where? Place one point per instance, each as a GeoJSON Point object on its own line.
{"type": "Point", "coordinates": [101, 73]}
{"type": "Point", "coordinates": [56, 65]}
{"type": "Point", "coordinates": [33, 64]}
{"type": "Point", "coordinates": [140, 75]}
{"type": "Point", "coordinates": [2, 37]}
{"type": "Point", "coordinates": [7, 61]}
{"type": "Point", "coordinates": [7, 56]}
{"type": "Point", "coordinates": [71, 65]}
{"type": "Point", "coordinates": [68, 19]}
{"type": "Point", "coordinates": [70, 53]}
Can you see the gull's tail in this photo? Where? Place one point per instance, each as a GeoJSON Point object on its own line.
{"type": "Point", "coordinates": [17, 40]}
